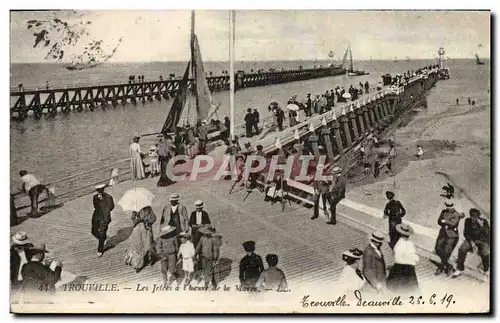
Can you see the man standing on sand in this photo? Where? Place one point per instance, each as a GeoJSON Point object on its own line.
{"type": "Point", "coordinates": [256, 117]}
{"type": "Point", "coordinates": [448, 236]}
{"type": "Point", "coordinates": [337, 194]}
{"type": "Point", "coordinates": [395, 211]}
{"type": "Point", "coordinates": [101, 218]}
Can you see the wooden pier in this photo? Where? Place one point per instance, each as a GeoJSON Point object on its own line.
{"type": "Point", "coordinates": [64, 100]}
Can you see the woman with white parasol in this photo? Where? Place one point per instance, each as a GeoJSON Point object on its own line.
{"type": "Point", "coordinates": [141, 249]}
{"type": "Point", "coordinates": [293, 114]}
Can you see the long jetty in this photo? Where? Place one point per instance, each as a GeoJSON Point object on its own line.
{"type": "Point", "coordinates": [88, 98]}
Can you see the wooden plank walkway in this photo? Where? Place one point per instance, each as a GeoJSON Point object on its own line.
{"type": "Point", "coordinates": [309, 251]}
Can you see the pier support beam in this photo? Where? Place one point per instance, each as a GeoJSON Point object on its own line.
{"type": "Point", "coordinates": [375, 110]}
{"type": "Point", "coordinates": [368, 124]}
{"type": "Point", "coordinates": [359, 113]}
{"type": "Point", "coordinates": [373, 122]}
{"type": "Point", "coordinates": [328, 144]}
{"type": "Point", "coordinates": [338, 139]}
{"type": "Point", "coordinates": [354, 126]}
{"type": "Point", "coordinates": [313, 139]}
{"type": "Point", "coordinates": [347, 132]}
{"type": "Point", "coordinates": [385, 106]}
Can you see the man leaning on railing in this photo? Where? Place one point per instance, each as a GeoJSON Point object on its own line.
{"type": "Point", "coordinates": [31, 186]}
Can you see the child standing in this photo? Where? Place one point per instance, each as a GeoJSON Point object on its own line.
{"type": "Point", "coordinates": [167, 250]}
{"type": "Point", "coordinates": [186, 253]}
{"type": "Point", "coordinates": [153, 160]}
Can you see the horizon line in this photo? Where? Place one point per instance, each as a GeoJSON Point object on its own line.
{"type": "Point", "coordinates": [246, 61]}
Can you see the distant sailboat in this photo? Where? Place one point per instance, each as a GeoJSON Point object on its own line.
{"type": "Point", "coordinates": [395, 59]}
{"type": "Point", "coordinates": [350, 70]}
{"type": "Point", "coordinates": [407, 58]}
{"type": "Point", "coordinates": [478, 61]}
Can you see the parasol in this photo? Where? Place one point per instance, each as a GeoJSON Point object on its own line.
{"type": "Point", "coordinates": [293, 107]}
{"type": "Point", "coordinates": [346, 96]}
{"type": "Point", "coordinates": [136, 199]}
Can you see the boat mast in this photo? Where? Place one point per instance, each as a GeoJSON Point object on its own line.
{"type": "Point", "coordinates": [231, 70]}
{"type": "Point", "coordinates": [351, 67]}
{"type": "Point", "coordinates": [193, 62]}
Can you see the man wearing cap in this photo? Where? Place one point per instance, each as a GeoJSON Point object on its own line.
{"type": "Point", "coordinates": [447, 239]}
{"type": "Point", "coordinates": [374, 268]}
{"type": "Point", "coordinates": [167, 247]}
{"type": "Point", "coordinates": [101, 218]}
{"type": "Point", "coordinates": [395, 211]}
{"type": "Point", "coordinates": [337, 194]}
{"type": "Point", "coordinates": [198, 218]}
{"type": "Point", "coordinates": [176, 215]}
{"type": "Point", "coordinates": [477, 239]}
{"type": "Point", "coordinates": [251, 265]}
{"type": "Point", "coordinates": [308, 105]}
{"type": "Point", "coordinates": [39, 279]}
{"type": "Point", "coordinates": [208, 251]}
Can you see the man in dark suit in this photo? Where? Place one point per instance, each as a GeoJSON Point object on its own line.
{"type": "Point", "coordinates": [477, 239]}
{"type": "Point", "coordinates": [101, 218]}
{"type": "Point", "coordinates": [308, 109]}
{"type": "Point", "coordinates": [448, 236]}
{"type": "Point", "coordinates": [39, 278]}
{"type": "Point", "coordinates": [337, 194]}
{"type": "Point", "coordinates": [256, 117]}
{"type": "Point", "coordinates": [374, 268]}
{"type": "Point", "coordinates": [198, 218]}
{"type": "Point", "coordinates": [395, 211]}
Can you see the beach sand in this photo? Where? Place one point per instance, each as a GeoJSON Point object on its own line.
{"type": "Point", "coordinates": [456, 142]}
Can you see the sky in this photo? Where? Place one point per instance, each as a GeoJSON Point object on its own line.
{"type": "Point", "coordinates": [163, 35]}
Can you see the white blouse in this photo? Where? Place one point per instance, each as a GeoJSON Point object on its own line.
{"type": "Point", "coordinates": [349, 280]}
{"type": "Point", "coordinates": [405, 253]}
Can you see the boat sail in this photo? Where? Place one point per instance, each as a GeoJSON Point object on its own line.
{"type": "Point", "coordinates": [351, 71]}
{"type": "Point", "coordinates": [191, 110]}
{"type": "Point", "coordinates": [478, 61]}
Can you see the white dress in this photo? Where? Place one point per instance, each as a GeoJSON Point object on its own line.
{"type": "Point", "coordinates": [186, 251]}
{"type": "Point", "coordinates": [349, 280]}
{"type": "Point", "coordinates": [136, 161]}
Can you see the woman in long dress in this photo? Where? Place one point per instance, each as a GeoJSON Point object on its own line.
{"type": "Point", "coordinates": [136, 160]}
{"type": "Point", "coordinates": [351, 278]}
{"type": "Point", "coordinates": [402, 276]}
{"type": "Point", "coordinates": [140, 253]}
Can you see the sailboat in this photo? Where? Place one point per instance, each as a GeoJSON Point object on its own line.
{"type": "Point", "coordinates": [478, 61]}
{"type": "Point", "coordinates": [351, 71]}
{"type": "Point", "coordinates": [395, 60]}
{"type": "Point", "coordinates": [193, 106]}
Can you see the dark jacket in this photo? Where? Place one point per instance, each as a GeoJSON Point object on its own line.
{"type": "Point", "coordinates": [15, 261]}
{"type": "Point", "coordinates": [394, 210]}
{"type": "Point", "coordinates": [204, 218]}
{"type": "Point", "coordinates": [449, 220]}
{"type": "Point", "coordinates": [338, 191]}
{"type": "Point", "coordinates": [249, 119]}
{"type": "Point", "coordinates": [474, 232]}
{"type": "Point", "coordinates": [103, 207]}
{"type": "Point", "coordinates": [374, 267]}
{"type": "Point", "coordinates": [38, 277]}
{"type": "Point", "coordinates": [256, 116]}
{"type": "Point", "coordinates": [250, 269]}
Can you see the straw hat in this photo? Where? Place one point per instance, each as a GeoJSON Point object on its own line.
{"type": "Point", "coordinates": [167, 229]}
{"type": "Point", "coordinates": [100, 187]}
{"type": "Point", "coordinates": [185, 235]}
{"type": "Point", "coordinates": [336, 169]}
{"type": "Point", "coordinates": [404, 229]}
{"type": "Point", "coordinates": [377, 237]}
{"type": "Point", "coordinates": [21, 238]}
{"type": "Point", "coordinates": [352, 254]}
{"type": "Point", "coordinates": [198, 204]}
{"type": "Point", "coordinates": [174, 197]}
